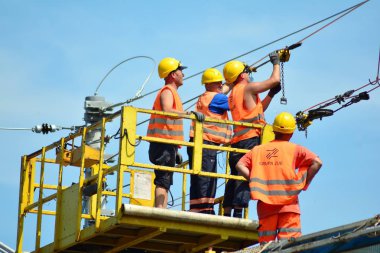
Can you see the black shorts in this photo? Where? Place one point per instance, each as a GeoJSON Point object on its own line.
{"type": "Point", "coordinates": [237, 192]}
{"type": "Point", "coordinates": [163, 154]}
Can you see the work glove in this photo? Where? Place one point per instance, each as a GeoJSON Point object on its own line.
{"type": "Point", "coordinates": [199, 116]}
{"type": "Point", "coordinates": [274, 58]}
{"type": "Point", "coordinates": [178, 158]}
{"type": "Point", "coordinates": [274, 90]}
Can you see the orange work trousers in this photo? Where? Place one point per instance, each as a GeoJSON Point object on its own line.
{"type": "Point", "coordinates": [280, 226]}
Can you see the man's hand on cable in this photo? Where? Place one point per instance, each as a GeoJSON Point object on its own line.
{"type": "Point", "coordinates": [199, 116]}
{"type": "Point", "coordinates": [274, 58]}
{"type": "Point", "coordinates": [276, 89]}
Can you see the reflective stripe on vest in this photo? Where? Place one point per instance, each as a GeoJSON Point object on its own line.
{"type": "Point", "coordinates": [214, 132]}
{"type": "Point", "coordinates": [273, 178]}
{"type": "Point", "coordinates": [166, 127]}
{"type": "Point", "coordinates": [240, 113]}
{"type": "Point", "coordinates": [241, 130]}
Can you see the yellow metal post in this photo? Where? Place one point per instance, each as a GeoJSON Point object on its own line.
{"type": "Point", "coordinates": [57, 234]}
{"type": "Point", "coordinates": [93, 199]}
{"type": "Point", "coordinates": [267, 134]}
{"type": "Point", "coordinates": [129, 132]}
{"type": "Point", "coordinates": [40, 196]}
{"type": "Point", "coordinates": [197, 151]}
{"type": "Point", "coordinates": [81, 179]}
{"type": "Point", "coordinates": [122, 160]}
{"type": "Point", "coordinates": [184, 175]}
{"type": "Point", "coordinates": [31, 173]}
{"type": "Point", "coordinates": [100, 178]}
{"type": "Point", "coordinates": [22, 203]}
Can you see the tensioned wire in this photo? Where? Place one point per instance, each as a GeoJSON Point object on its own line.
{"type": "Point", "coordinates": [343, 12]}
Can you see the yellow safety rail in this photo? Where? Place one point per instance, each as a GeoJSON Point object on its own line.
{"type": "Point", "coordinates": [58, 157]}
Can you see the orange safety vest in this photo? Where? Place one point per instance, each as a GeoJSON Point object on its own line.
{"type": "Point", "coordinates": [214, 132]}
{"type": "Point", "coordinates": [240, 113]}
{"type": "Point", "coordinates": [163, 126]}
{"type": "Point", "coordinates": [273, 177]}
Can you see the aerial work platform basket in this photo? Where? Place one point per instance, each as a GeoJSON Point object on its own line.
{"type": "Point", "coordinates": [160, 230]}
{"type": "Point", "coordinates": [132, 223]}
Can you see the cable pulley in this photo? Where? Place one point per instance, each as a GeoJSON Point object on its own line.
{"type": "Point", "coordinates": [304, 118]}
{"type": "Point", "coordinates": [283, 55]}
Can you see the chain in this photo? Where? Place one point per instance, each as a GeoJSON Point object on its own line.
{"type": "Point", "coordinates": [283, 99]}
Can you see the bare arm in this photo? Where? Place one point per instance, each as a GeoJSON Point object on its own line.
{"type": "Point", "coordinates": [243, 170]}
{"type": "Point", "coordinates": [167, 101]}
{"type": "Point", "coordinates": [313, 170]}
{"type": "Point", "coordinates": [266, 101]}
{"type": "Point", "coordinates": [259, 87]}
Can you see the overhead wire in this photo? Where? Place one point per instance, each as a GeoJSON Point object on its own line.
{"type": "Point", "coordinates": [15, 128]}
{"type": "Point", "coordinates": [343, 12]}
{"type": "Point", "coordinates": [122, 62]}
{"type": "Point", "coordinates": [45, 128]}
{"type": "Point", "coordinates": [335, 99]}
{"type": "Point", "coordinates": [320, 110]}
{"type": "Point", "coordinates": [138, 94]}
{"type": "Point", "coordinates": [348, 10]}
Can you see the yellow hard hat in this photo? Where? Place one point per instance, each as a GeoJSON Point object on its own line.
{"type": "Point", "coordinates": [167, 65]}
{"type": "Point", "coordinates": [232, 70]}
{"type": "Point", "coordinates": [212, 75]}
{"type": "Point", "coordinates": [284, 123]}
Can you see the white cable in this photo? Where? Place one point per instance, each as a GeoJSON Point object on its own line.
{"type": "Point", "coordinates": [14, 128]}
{"type": "Point", "coordinates": [138, 94]}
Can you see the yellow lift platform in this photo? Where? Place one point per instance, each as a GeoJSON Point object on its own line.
{"type": "Point", "coordinates": [132, 227]}
{"type": "Point", "coordinates": [161, 230]}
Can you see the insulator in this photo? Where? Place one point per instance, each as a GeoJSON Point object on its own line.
{"type": "Point", "coordinates": [45, 128]}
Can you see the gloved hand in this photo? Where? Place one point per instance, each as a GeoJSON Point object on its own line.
{"type": "Point", "coordinates": [274, 58]}
{"type": "Point", "coordinates": [178, 158]}
{"type": "Point", "coordinates": [274, 90]}
{"type": "Point", "coordinates": [199, 116]}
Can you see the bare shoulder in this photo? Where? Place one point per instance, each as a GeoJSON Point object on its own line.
{"type": "Point", "coordinates": [166, 93]}
{"type": "Point", "coordinates": [251, 87]}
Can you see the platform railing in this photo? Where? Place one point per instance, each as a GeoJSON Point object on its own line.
{"type": "Point", "coordinates": [68, 208]}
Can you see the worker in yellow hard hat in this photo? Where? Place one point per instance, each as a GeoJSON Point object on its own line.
{"type": "Point", "coordinates": [167, 100]}
{"type": "Point", "coordinates": [277, 172]}
{"type": "Point", "coordinates": [212, 103]}
{"type": "Point", "coordinates": [246, 106]}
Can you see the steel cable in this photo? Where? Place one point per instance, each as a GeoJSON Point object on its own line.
{"type": "Point", "coordinates": [345, 12]}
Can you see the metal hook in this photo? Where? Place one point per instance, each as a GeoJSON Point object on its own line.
{"type": "Point", "coordinates": [283, 101]}
{"type": "Point", "coordinates": [374, 82]}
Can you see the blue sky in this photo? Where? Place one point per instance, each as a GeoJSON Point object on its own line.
{"type": "Point", "coordinates": [54, 53]}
